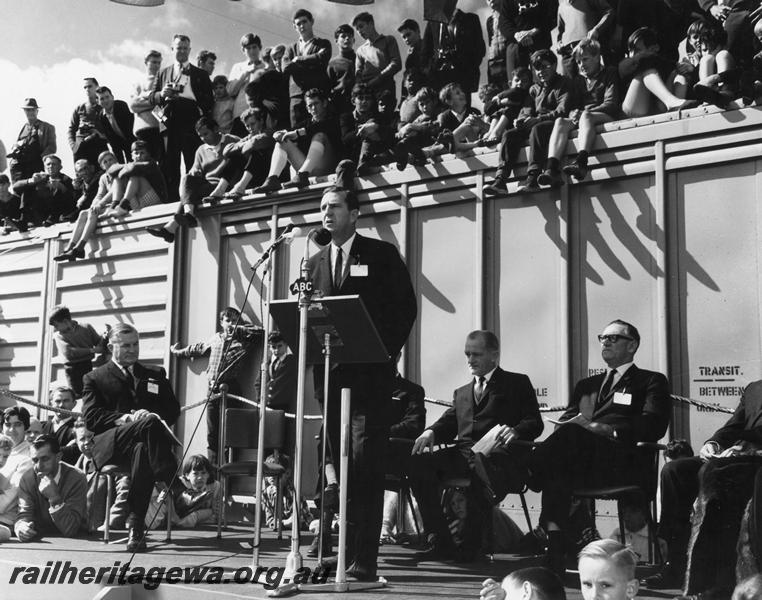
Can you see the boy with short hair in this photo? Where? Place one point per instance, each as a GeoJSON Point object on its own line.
{"type": "Point", "coordinates": [222, 111]}
{"type": "Point", "coordinates": [206, 180]}
{"type": "Point", "coordinates": [137, 184]}
{"type": "Point", "coordinates": [548, 99]}
{"type": "Point", "coordinates": [607, 567]}
{"type": "Point", "coordinates": [378, 58]}
{"type": "Point", "coordinates": [227, 350]}
{"type": "Point", "coordinates": [417, 139]}
{"type": "Point", "coordinates": [597, 88]}
{"type": "Point", "coordinates": [531, 583]}
{"type": "Point", "coordinates": [341, 69]}
{"type": "Point", "coordinates": [62, 424]}
{"type": "Point", "coordinates": [77, 344]}
{"type": "Point", "coordinates": [504, 107]}
{"type": "Point", "coordinates": [96, 486]}
{"type": "Point", "coordinates": [312, 148]}
{"type": "Point", "coordinates": [254, 151]}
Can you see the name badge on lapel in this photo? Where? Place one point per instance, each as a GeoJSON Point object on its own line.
{"type": "Point", "coordinates": [358, 270]}
{"type": "Point", "coordinates": [152, 388]}
{"type": "Point", "coordinates": [622, 398]}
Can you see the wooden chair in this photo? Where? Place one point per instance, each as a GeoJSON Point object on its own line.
{"type": "Point", "coordinates": [239, 430]}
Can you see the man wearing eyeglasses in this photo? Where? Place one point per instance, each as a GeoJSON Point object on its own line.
{"type": "Point", "coordinates": [595, 441]}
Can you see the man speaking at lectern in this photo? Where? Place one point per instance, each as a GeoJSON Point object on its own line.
{"type": "Point", "coordinates": [353, 264]}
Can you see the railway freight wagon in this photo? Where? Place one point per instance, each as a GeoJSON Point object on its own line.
{"type": "Point", "coordinates": [665, 234]}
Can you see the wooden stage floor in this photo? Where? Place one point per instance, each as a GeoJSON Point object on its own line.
{"type": "Point", "coordinates": [407, 579]}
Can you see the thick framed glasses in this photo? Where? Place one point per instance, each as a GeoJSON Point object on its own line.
{"type": "Point", "coordinates": [612, 337]}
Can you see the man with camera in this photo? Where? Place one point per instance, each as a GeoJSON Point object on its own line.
{"type": "Point", "coordinates": [35, 140]}
{"type": "Point", "coordinates": [46, 195]}
{"type": "Point", "coordinates": [86, 138]}
{"type": "Point", "coordinates": [185, 93]}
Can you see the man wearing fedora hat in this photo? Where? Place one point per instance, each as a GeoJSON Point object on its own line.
{"type": "Point", "coordinates": [35, 140]}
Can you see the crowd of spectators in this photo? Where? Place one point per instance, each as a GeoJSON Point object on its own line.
{"type": "Point", "coordinates": [285, 114]}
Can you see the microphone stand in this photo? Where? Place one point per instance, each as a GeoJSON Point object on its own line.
{"type": "Point", "coordinates": [294, 559]}
{"type": "Point", "coordinates": [268, 257]}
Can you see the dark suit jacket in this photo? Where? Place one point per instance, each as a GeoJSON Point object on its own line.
{"type": "Point", "coordinates": [746, 422]}
{"type": "Point", "coordinates": [200, 84]}
{"type": "Point", "coordinates": [281, 387]}
{"type": "Point", "coordinates": [509, 399]}
{"type": "Point", "coordinates": [386, 291]}
{"type": "Point", "coordinates": [644, 419]}
{"type": "Point", "coordinates": [390, 300]}
{"type": "Point", "coordinates": [408, 416]}
{"type": "Point", "coordinates": [106, 396]}
{"type": "Point", "coordinates": [469, 49]}
{"type": "Point", "coordinates": [64, 435]}
{"type": "Point", "coordinates": [125, 120]}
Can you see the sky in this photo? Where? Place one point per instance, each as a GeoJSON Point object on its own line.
{"type": "Point", "coordinates": [49, 46]}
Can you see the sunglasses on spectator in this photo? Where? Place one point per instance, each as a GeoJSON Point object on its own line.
{"type": "Point", "coordinates": [613, 338]}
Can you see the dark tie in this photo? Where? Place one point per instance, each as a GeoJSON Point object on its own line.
{"type": "Point", "coordinates": [606, 387]}
{"type": "Point", "coordinates": [337, 270]}
{"type": "Point", "coordinates": [479, 390]}
{"type": "Point", "coordinates": [273, 367]}
{"type": "Point", "coordinates": [129, 379]}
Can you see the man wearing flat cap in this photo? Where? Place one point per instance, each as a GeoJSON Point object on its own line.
{"type": "Point", "coordinates": [35, 140]}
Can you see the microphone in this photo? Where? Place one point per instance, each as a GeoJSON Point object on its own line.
{"type": "Point", "coordinates": [288, 234]}
{"type": "Point", "coordinates": [320, 235]}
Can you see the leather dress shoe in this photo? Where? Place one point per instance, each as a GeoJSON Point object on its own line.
{"type": "Point", "coordinates": [359, 573]}
{"type": "Point", "coordinates": [136, 539]}
{"type": "Point", "coordinates": [162, 233]}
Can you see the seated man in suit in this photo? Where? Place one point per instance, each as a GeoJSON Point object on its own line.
{"type": "Point", "coordinates": [596, 443]}
{"type": "Point", "coordinates": [129, 406]}
{"type": "Point", "coordinates": [51, 495]}
{"type": "Point", "coordinates": [716, 486]}
{"type": "Point", "coordinates": [493, 409]}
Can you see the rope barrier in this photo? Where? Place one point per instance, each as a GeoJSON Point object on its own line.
{"type": "Point", "coordinates": [251, 403]}
{"type": "Point", "coordinates": [704, 406]}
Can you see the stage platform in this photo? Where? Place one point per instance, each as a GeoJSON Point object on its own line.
{"type": "Point", "coordinates": [407, 579]}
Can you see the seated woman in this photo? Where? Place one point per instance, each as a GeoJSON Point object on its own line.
{"type": "Point", "coordinates": [122, 187]}
{"type": "Point", "coordinates": [707, 67]}
{"type": "Point", "coordinates": [312, 148]}
{"type": "Point", "coordinates": [644, 74]}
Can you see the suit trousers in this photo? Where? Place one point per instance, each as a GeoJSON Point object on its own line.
{"type": "Point", "coordinates": [371, 387]}
{"type": "Point", "coordinates": [182, 140]}
{"type": "Point", "coordinates": [147, 447]}
{"type": "Point", "coordinates": [574, 457]}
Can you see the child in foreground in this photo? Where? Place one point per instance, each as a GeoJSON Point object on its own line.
{"type": "Point", "coordinates": [532, 583]}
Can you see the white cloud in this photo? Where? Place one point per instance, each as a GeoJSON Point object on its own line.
{"type": "Point", "coordinates": [133, 51]}
{"type": "Point", "coordinates": [172, 18]}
